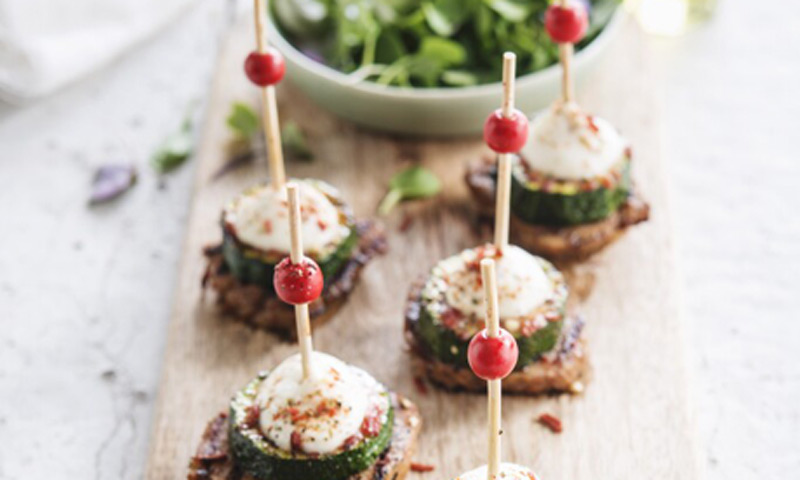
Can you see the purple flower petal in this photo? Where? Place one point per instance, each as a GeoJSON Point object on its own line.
{"type": "Point", "coordinates": [111, 181]}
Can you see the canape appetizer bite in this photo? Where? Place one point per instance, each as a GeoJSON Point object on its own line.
{"type": "Point", "coordinates": [492, 356]}
{"type": "Point", "coordinates": [313, 416]}
{"type": "Point", "coordinates": [572, 192]}
{"type": "Point", "coordinates": [255, 233]}
{"type": "Point", "coordinates": [444, 310]}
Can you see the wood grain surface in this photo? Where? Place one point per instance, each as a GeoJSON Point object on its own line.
{"type": "Point", "coordinates": [632, 422]}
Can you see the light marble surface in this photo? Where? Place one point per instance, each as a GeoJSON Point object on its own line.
{"type": "Point", "coordinates": [85, 293]}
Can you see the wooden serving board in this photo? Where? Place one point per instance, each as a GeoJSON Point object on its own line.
{"type": "Point", "coordinates": [632, 422]}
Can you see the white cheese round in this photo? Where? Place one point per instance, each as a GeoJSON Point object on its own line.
{"type": "Point", "coordinates": [260, 218]}
{"type": "Point", "coordinates": [568, 144]}
{"type": "Point", "coordinates": [508, 471]}
{"type": "Point", "coordinates": [522, 284]}
{"type": "Point", "coordinates": [323, 411]}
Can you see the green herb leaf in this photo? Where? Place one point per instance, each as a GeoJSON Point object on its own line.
{"type": "Point", "coordinates": [294, 142]}
{"type": "Point", "coordinates": [175, 149]}
{"type": "Point", "coordinates": [446, 52]}
{"type": "Point", "coordinates": [243, 120]}
{"type": "Point", "coordinates": [459, 78]}
{"type": "Point", "coordinates": [413, 182]}
{"type": "Point", "coordinates": [511, 10]}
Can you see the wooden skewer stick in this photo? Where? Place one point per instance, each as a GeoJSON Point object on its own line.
{"type": "Point", "coordinates": [296, 255]}
{"type": "Point", "coordinates": [489, 278]}
{"type": "Point", "coordinates": [270, 108]}
{"type": "Point", "coordinates": [503, 200]}
{"type": "Point", "coordinates": [565, 52]}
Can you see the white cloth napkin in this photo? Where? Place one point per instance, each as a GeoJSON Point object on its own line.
{"type": "Point", "coordinates": [46, 44]}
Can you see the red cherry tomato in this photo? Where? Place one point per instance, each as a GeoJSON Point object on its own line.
{"type": "Point", "coordinates": [265, 69]}
{"type": "Point", "coordinates": [566, 24]}
{"type": "Point", "coordinates": [297, 283]}
{"type": "Point", "coordinates": [492, 358]}
{"type": "Point", "coordinates": [506, 134]}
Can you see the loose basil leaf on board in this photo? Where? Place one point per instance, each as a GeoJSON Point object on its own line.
{"type": "Point", "coordinates": [294, 142]}
{"type": "Point", "coordinates": [413, 182]}
{"type": "Point", "coordinates": [111, 181]}
{"type": "Point", "coordinates": [175, 149]}
{"type": "Point", "coordinates": [243, 120]}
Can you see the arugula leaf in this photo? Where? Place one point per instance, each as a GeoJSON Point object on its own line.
{"type": "Point", "coordinates": [445, 52]}
{"type": "Point", "coordinates": [175, 149]}
{"type": "Point", "coordinates": [413, 182]}
{"type": "Point", "coordinates": [294, 142]}
{"type": "Point", "coordinates": [459, 78]}
{"type": "Point", "coordinates": [511, 10]}
{"type": "Point", "coordinates": [243, 120]}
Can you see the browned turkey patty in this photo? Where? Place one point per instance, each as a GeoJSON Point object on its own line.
{"type": "Point", "coordinates": [565, 369]}
{"type": "Point", "coordinates": [561, 243]}
{"type": "Point", "coordinates": [262, 309]}
{"type": "Point", "coordinates": [213, 460]}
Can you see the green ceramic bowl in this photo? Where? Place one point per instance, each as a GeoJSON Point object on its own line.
{"type": "Point", "coordinates": [429, 111]}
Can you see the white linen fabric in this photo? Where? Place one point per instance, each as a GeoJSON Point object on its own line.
{"type": "Point", "coordinates": [46, 44]}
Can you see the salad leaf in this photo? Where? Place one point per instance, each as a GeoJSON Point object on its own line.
{"type": "Point", "coordinates": [243, 120]}
{"type": "Point", "coordinates": [175, 149]}
{"type": "Point", "coordinates": [511, 10]}
{"type": "Point", "coordinates": [413, 182]}
{"type": "Point", "coordinates": [294, 142]}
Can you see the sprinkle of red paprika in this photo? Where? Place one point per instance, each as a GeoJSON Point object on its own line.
{"type": "Point", "coordinates": [422, 387]}
{"type": "Point", "coordinates": [421, 467]}
{"type": "Point", "coordinates": [371, 426]}
{"type": "Point", "coordinates": [551, 422]}
{"type": "Point", "coordinates": [296, 441]}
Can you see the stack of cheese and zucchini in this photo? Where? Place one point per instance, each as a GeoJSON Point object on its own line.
{"type": "Point", "coordinates": [572, 192]}
{"type": "Point", "coordinates": [340, 423]}
{"type": "Point", "coordinates": [445, 310]}
{"type": "Point", "coordinates": [255, 237]}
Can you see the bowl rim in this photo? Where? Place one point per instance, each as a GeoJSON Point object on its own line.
{"type": "Point", "coordinates": [345, 80]}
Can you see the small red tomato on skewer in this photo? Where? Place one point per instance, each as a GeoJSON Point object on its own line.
{"type": "Point", "coordinates": [506, 134]}
{"type": "Point", "coordinates": [566, 24]}
{"type": "Point", "coordinates": [266, 68]}
{"type": "Point", "coordinates": [298, 283]}
{"type": "Point", "coordinates": [492, 358]}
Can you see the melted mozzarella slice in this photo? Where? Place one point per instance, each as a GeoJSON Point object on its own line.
{"type": "Point", "coordinates": [568, 144]}
{"type": "Point", "coordinates": [321, 412]}
{"type": "Point", "coordinates": [260, 217]}
{"type": "Point", "coordinates": [522, 284]}
{"type": "Point", "coordinates": [508, 471]}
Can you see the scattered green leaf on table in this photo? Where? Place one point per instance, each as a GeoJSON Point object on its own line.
{"type": "Point", "coordinates": [413, 182]}
{"type": "Point", "coordinates": [294, 142]}
{"type": "Point", "coordinates": [243, 120]}
{"type": "Point", "coordinates": [176, 148]}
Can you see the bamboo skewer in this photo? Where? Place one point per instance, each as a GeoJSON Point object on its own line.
{"type": "Point", "coordinates": [269, 106]}
{"type": "Point", "coordinates": [296, 255]}
{"type": "Point", "coordinates": [565, 53]}
{"type": "Point", "coordinates": [503, 200]}
{"type": "Point", "coordinates": [489, 279]}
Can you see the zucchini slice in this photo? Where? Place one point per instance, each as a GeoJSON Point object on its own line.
{"type": "Point", "coordinates": [543, 201]}
{"type": "Point", "coordinates": [258, 457]}
{"type": "Point", "coordinates": [255, 266]}
{"type": "Point", "coordinates": [536, 334]}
